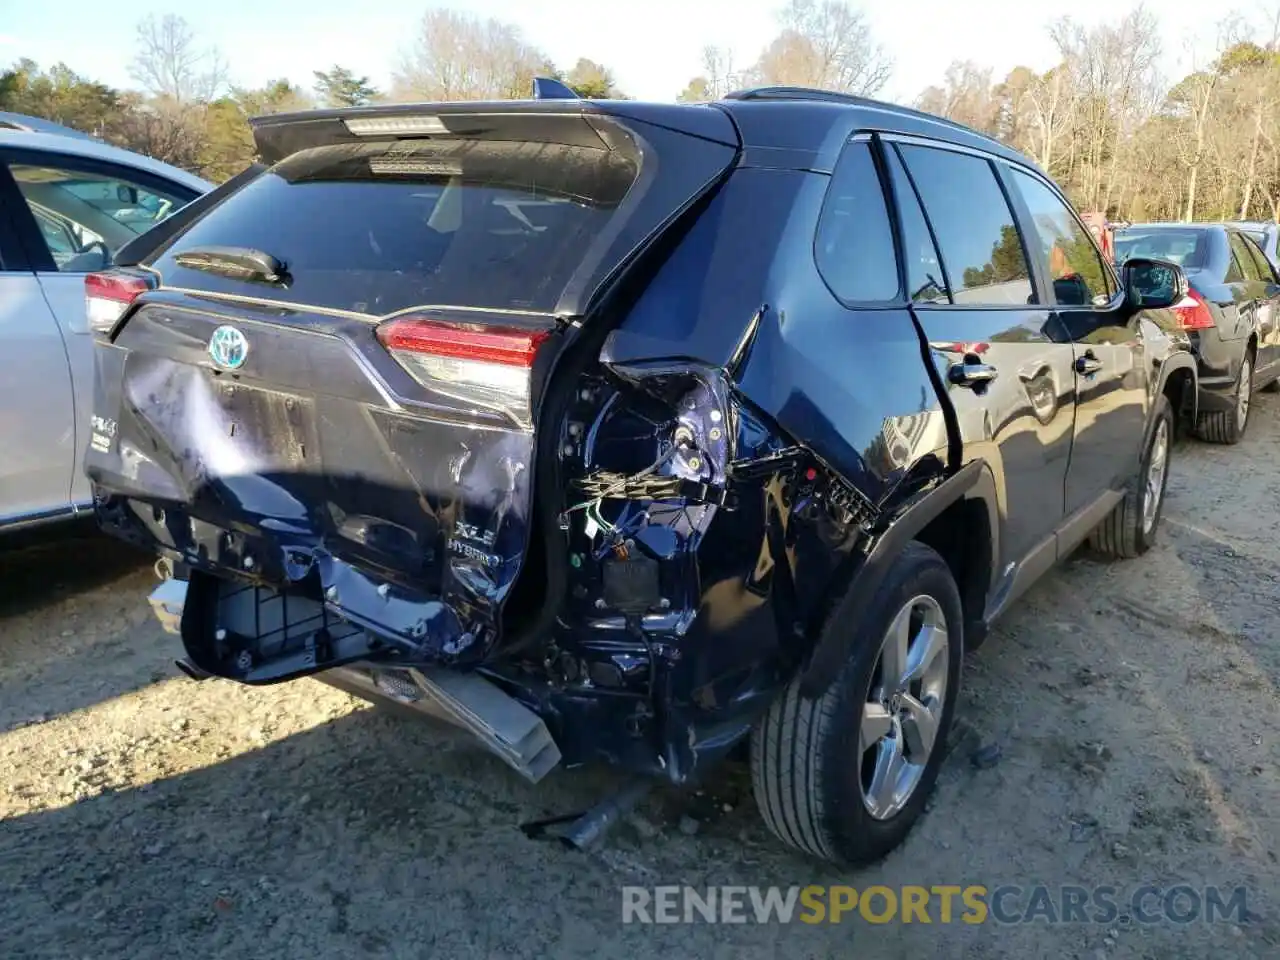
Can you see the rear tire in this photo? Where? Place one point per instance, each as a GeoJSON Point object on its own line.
{"type": "Point", "coordinates": [1272, 387]}
{"type": "Point", "coordinates": [822, 771]}
{"type": "Point", "coordinates": [1228, 426]}
{"type": "Point", "coordinates": [1130, 529]}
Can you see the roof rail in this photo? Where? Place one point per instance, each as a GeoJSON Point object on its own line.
{"type": "Point", "coordinates": [833, 96]}
{"type": "Point", "coordinates": [797, 93]}
{"type": "Point", "coordinates": [549, 88]}
{"type": "Point", "coordinates": [20, 121]}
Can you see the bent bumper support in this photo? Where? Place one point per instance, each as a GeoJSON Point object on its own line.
{"type": "Point", "coordinates": [506, 727]}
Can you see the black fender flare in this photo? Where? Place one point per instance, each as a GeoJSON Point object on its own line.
{"type": "Point", "coordinates": [833, 648]}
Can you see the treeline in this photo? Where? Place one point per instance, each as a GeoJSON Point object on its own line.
{"type": "Point", "coordinates": [1103, 122]}
{"type": "Point", "coordinates": [1122, 139]}
{"type": "Point", "coordinates": [185, 110]}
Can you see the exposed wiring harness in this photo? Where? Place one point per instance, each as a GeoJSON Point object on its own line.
{"type": "Point", "coordinates": [606, 485]}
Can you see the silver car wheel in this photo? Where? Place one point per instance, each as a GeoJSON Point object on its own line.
{"type": "Point", "coordinates": [903, 710]}
{"type": "Point", "coordinates": [1157, 471]}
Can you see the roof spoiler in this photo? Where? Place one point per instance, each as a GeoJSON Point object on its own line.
{"type": "Point", "coordinates": [557, 116]}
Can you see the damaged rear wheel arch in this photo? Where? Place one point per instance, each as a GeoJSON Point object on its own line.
{"type": "Point", "coordinates": [952, 513]}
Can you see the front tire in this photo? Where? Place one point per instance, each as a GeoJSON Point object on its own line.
{"type": "Point", "coordinates": [846, 776]}
{"type": "Point", "coordinates": [1130, 529]}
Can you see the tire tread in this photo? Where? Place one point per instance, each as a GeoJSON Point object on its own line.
{"type": "Point", "coordinates": [1120, 534]}
{"type": "Point", "coordinates": [787, 755]}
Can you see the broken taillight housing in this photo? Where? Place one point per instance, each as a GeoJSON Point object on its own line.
{"type": "Point", "coordinates": [481, 366]}
{"type": "Point", "coordinates": [108, 295]}
{"type": "Point", "coordinates": [1193, 312]}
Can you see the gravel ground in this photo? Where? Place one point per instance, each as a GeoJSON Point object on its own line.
{"type": "Point", "coordinates": [1134, 706]}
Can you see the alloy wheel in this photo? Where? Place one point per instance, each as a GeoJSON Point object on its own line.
{"type": "Point", "coordinates": [903, 710]}
{"type": "Point", "coordinates": [1157, 471]}
{"type": "Point", "coordinates": [1244, 391]}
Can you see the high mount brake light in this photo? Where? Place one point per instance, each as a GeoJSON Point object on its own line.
{"type": "Point", "coordinates": [481, 366]}
{"type": "Point", "coordinates": [391, 126]}
{"type": "Point", "coordinates": [108, 295]}
{"type": "Point", "coordinates": [1193, 312]}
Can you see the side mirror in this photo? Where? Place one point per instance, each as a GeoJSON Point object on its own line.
{"type": "Point", "coordinates": [1153, 284]}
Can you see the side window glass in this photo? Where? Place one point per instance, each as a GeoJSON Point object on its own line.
{"type": "Point", "coordinates": [854, 244]}
{"type": "Point", "coordinates": [976, 232]}
{"type": "Point", "coordinates": [1068, 252]}
{"type": "Point", "coordinates": [85, 218]}
{"type": "Point", "coordinates": [1235, 272]}
{"type": "Point", "coordinates": [1245, 262]}
{"type": "Point", "coordinates": [1265, 270]}
{"type": "Point", "coordinates": [926, 280]}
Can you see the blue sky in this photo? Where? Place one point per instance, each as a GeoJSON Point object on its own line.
{"type": "Point", "coordinates": [652, 46]}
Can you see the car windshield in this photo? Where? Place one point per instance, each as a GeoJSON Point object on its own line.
{"type": "Point", "coordinates": [1259, 236]}
{"type": "Point", "coordinates": [1187, 248]}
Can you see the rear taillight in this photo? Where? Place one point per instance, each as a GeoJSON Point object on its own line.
{"type": "Point", "coordinates": [1193, 313]}
{"type": "Point", "coordinates": [108, 295]}
{"type": "Point", "coordinates": [482, 367]}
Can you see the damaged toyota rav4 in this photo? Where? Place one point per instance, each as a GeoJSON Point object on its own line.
{"type": "Point", "coordinates": [632, 432]}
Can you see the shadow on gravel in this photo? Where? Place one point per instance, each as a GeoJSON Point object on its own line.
{"type": "Point", "coordinates": [376, 836]}
{"type": "Point", "coordinates": [59, 565]}
{"type": "Point", "coordinates": [74, 627]}
{"type": "Point", "coordinates": [367, 836]}
{"type": "Point", "coordinates": [1235, 595]}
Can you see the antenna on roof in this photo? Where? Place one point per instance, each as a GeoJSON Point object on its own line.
{"type": "Point", "coordinates": [548, 88]}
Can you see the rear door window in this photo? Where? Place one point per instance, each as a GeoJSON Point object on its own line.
{"type": "Point", "coordinates": [1265, 271]}
{"type": "Point", "coordinates": [926, 280]}
{"type": "Point", "coordinates": [1189, 249]}
{"type": "Point", "coordinates": [854, 245]}
{"type": "Point", "coordinates": [1245, 262]}
{"type": "Point", "coordinates": [975, 228]}
{"type": "Point", "coordinates": [380, 227]}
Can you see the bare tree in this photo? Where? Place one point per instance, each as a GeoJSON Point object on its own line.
{"type": "Point", "coordinates": [966, 96]}
{"type": "Point", "coordinates": [1112, 69]}
{"type": "Point", "coordinates": [1261, 74]}
{"type": "Point", "coordinates": [825, 44]}
{"type": "Point", "coordinates": [1193, 101]}
{"type": "Point", "coordinates": [717, 67]}
{"type": "Point", "coordinates": [1052, 99]}
{"type": "Point", "coordinates": [171, 63]}
{"type": "Point", "coordinates": [457, 56]}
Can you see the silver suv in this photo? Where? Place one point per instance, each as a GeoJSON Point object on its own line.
{"type": "Point", "coordinates": [68, 203]}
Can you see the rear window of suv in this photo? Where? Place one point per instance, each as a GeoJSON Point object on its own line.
{"type": "Point", "coordinates": [1187, 248]}
{"type": "Point", "coordinates": [377, 228]}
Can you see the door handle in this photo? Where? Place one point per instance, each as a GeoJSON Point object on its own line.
{"type": "Point", "coordinates": [971, 373]}
{"type": "Point", "coordinates": [1088, 363]}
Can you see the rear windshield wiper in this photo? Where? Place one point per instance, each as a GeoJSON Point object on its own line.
{"type": "Point", "coordinates": [240, 263]}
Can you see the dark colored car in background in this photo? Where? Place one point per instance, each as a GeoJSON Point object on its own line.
{"type": "Point", "coordinates": [625, 432]}
{"type": "Point", "coordinates": [1232, 314]}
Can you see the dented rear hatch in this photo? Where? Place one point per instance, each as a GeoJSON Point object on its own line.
{"type": "Point", "coordinates": [325, 389]}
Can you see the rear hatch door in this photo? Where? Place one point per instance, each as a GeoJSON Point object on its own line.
{"type": "Point", "coordinates": [332, 387]}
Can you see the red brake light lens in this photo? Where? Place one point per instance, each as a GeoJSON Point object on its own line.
{"type": "Point", "coordinates": [478, 367]}
{"type": "Point", "coordinates": [505, 345]}
{"type": "Point", "coordinates": [108, 295]}
{"type": "Point", "coordinates": [1193, 313]}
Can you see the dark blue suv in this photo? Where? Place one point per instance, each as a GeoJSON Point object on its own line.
{"type": "Point", "coordinates": [634, 432]}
